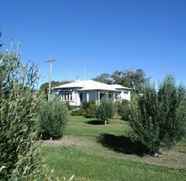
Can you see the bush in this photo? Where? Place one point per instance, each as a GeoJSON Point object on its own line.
{"type": "Point", "coordinates": [171, 110]}
{"type": "Point", "coordinates": [53, 116]}
{"type": "Point", "coordinates": [159, 116]}
{"type": "Point", "coordinates": [18, 110]}
{"type": "Point", "coordinates": [78, 112]}
{"type": "Point", "coordinates": [144, 119]}
{"type": "Point", "coordinates": [123, 110]}
{"type": "Point", "coordinates": [105, 111]}
{"type": "Point", "coordinates": [89, 109]}
{"type": "Point", "coordinates": [19, 102]}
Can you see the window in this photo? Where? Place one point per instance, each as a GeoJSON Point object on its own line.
{"type": "Point", "coordinates": [125, 92]}
{"type": "Point", "coordinates": [67, 96]}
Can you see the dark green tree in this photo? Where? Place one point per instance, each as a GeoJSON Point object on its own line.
{"type": "Point", "coordinates": [105, 78]}
{"type": "Point", "coordinates": [144, 119]}
{"type": "Point", "coordinates": [45, 85]}
{"type": "Point", "coordinates": [171, 97]}
{"type": "Point", "coordinates": [158, 117]}
{"type": "Point", "coordinates": [134, 79]}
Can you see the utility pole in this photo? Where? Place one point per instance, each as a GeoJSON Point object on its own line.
{"type": "Point", "coordinates": [50, 63]}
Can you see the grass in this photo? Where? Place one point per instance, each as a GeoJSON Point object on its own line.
{"type": "Point", "coordinates": [81, 126]}
{"type": "Point", "coordinates": [79, 153]}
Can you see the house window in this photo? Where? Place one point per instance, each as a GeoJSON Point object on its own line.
{"type": "Point", "coordinates": [67, 96]}
{"type": "Point", "coordinates": [70, 96]}
{"type": "Point", "coordinates": [81, 97]}
{"type": "Point", "coordinates": [125, 92]}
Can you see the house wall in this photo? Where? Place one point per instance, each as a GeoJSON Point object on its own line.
{"type": "Point", "coordinates": [84, 97]}
{"type": "Point", "coordinates": [125, 95]}
{"type": "Point", "coordinates": [88, 96]}
{"type": "Point", "coordinates": [75, 99]}
{"type": "Point", "coordinates": [94, 95]}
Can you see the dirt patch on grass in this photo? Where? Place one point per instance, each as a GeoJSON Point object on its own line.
{"type": "Point", "coordinates": [171, 159]}
{"type": "Point", "coordinates": [65, 141]}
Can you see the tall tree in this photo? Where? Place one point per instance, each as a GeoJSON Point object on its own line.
{"type": "Point", "coordinates": [134, 79]}
{"type": "Point", "coordinates": [44, 86]}
{"type": "Point", "coordinates": [105, 78]}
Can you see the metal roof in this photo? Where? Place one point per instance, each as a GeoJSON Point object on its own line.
{"type": "Point", "coordinates": [87, 85]}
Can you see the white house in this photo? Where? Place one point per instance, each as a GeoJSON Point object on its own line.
{"type": "Point", "coordinates": [82, 91]}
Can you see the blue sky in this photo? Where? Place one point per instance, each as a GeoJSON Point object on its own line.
{"type": "Point", "coordinates": [89, 37]}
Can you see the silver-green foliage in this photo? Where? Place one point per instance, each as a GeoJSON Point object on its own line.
{"type": "Point", "coordinates": [52, 118]}
{"type": "Point", "coordinates": [123, 109]}
{"type": "Point", "coordinates": [18, 112]}
{"type": "Point", "coordinates": [105, 111]}
{"type": "Point", "coordinates": [20, 153]}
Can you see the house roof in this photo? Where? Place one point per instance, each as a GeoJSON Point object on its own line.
{"type": "Point", "coordinates": [86, 85]}
{"type": "Point", "coordinates": [119, 87]}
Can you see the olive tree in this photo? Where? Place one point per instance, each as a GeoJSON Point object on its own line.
{"type": "Point", "coordinates": [18, 112]}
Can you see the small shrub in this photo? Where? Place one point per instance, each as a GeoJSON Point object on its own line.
{"type": "Point", "coordinates": [70, 108]}
{"type": "Point", "coordinates": [105, 111]}
{"type": "Point", "coordinates": [78, 112]}
{"type": "Point", "coordinates": [89, 109]}
{"type": "Point", "coordinates": [53, 116]}
{"type": "Point", "coordinates": [123, 110]}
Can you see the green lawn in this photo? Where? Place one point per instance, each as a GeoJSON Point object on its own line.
{"type": "Point", "coordinates": [80, 126]}
{"type": "Point", "coordinates": [79, 153]}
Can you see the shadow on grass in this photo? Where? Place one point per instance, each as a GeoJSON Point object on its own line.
{"type": "Point", "coordinates": [122, 144]}
{"type": "Point", "coordinates": [95, 122]}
